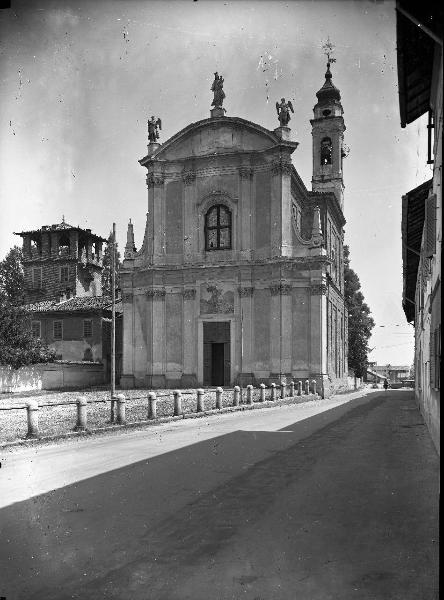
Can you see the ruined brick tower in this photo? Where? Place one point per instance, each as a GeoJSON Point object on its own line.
{"type": "Point", "coordinates": [61, 261]}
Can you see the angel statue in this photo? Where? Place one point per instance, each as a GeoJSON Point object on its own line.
{"type": "Point", "coordinates": [217, 90]}
{"type": "Point", "coordinates": [283, 110]}
{"type": "Point", "coordinates": [153, 126]}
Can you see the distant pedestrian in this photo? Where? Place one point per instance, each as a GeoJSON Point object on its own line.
{"type": "Point", "coordinates": [386, 384]}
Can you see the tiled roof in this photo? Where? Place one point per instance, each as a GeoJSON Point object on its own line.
{"type": "Point", "coordinates": [383, 368]}
{"type": "Point", "coordinates": [76, 304]}
{"type": "Point", "coordinates": [61, 227]}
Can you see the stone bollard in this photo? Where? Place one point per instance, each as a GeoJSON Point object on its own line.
{"type": "Point", "coordinates": [200, 400]}
{"type": "Point", "coordinates": [33, 419]}
{"type": "Point", "coordinates": [307, 387]}
{"type": "Point", "coordinates": [249, 394]}
{"type": "Point", "coordinates": [299, 388]}
{"type": "Point", "coordinates": [177, 403]}
{"type": "Point", "coordinates": [81, 424]}
{"type": "Point", "coordinates": [313, 386]}
{"type": "Point", "coordinates": [283, 389]}
{"type": "Point", "coordinates": [152, 405]}
{"type": "Point", "coordinates": [292, 389]}
{"type": "Point", "coordinates": [219, 391]}
{"type": "Point", "coordinates": [120, 398]}
{"type": "Point", "coordinates": [273, 391]}
{"type": "Point", "coordinates": [236, 395]}
{"type": "Point", "coordinates": [262, 392]}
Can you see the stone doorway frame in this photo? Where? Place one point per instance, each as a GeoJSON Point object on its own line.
{"type": "Point", "coordinates": [200, 343]}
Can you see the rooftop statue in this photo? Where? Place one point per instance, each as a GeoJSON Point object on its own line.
{"type": "Point", "coordinates": [283, 110]}
{"type": "Point", "coordinates": [153, 129]}
{"type": "Point", "coordinates": [217, 90]}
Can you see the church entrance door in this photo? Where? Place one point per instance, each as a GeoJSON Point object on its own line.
{"type": "Point", "coordinates": [216, 354]}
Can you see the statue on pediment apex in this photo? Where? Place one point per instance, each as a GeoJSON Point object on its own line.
{"type": "Point", "coordinates": [283, 110]}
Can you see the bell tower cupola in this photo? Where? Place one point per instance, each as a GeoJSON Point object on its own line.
{"type": "Point", "coordinates": [328, 136]}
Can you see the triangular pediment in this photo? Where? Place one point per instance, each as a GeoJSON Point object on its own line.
{"type": "Point", "coordinates": [215, 136]}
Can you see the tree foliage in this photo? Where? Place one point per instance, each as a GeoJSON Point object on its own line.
{"type": "Point", "coordinates": [12, 278]}
{"type": "Point", "coordinates": [17, 345]}
{"type": "Point", "coordinates": [106, 272]}
{"type": "Point", "coordinates": [360, 322]}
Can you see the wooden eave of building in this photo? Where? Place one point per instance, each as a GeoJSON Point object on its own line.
{"type": "Point", "coordinates": [413, 214]}
{"type": "Point", "coordinates": [58, 229]}
{"type": "Point", "coordinates": [75, 305]}
{"type": "Point", "coordinates": [415, 56]}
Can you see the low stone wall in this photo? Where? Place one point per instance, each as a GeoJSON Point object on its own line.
{"type": "Point", "coordinates": [50, 376]}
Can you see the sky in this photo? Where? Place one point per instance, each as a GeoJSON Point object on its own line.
{"type": "Point", "coordinates": [79, 80]}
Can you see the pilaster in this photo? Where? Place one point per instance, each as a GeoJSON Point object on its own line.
{"type": "Point", "coordinates": [156, 379]}
{"type": "Point", "coordinates": [245, 232]}
{"type": "Point", "coordinates": [318, 342]}
{"type": "Point", "coordinates": [156, 209]}
{"type": "Point", "coordinates": [189, 377]}
{"type": "Point", "coordinates": [190, 232]}
{"type": "Point", "coordinates": [247, 342]}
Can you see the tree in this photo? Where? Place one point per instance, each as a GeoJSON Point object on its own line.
{"type": "Point", "coordinates": [106, 272]}
{"type": "Point", "coordinates": [360, 322]}
{"type": "Point", "coordinates": [12, 278]}
{"type": "Point", "coordinates": [18, 347]}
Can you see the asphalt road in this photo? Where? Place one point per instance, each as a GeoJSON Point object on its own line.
{"type": "Point", "coordinates": [330, 500]}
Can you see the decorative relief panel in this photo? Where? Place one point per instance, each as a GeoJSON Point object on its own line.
{"type": "Point", "coordinates": [245, 292]}
{"type": "Point", "coordinates": [216, 299]}
{"type": "Point", "coordinates": [156, 294]}
{"type": "Point", "coordinates": [319, 289]}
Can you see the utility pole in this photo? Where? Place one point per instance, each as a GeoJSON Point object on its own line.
{"type": "Point", "coordinates": [113, 321]}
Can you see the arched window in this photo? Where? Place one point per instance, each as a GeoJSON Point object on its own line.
{"type": "Point", "coordinates": [218, 228]}
{"type": "Point", "coordinates": [326, 151]}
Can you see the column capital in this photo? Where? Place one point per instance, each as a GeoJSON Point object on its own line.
{"type": "Point", "coordinates": [155, 179]}
{"type": "Point", "coordinates": [189, 294]}
{"type": "Point", "coordinates": [156, 294]}
{"type": "Point", "coordinates": [245, 172]}
{"type": "Point", "coordinates": [280, 288]}
{"type": "Point", "coordinates": [319, 289]}
{"type": "Point", "coordinates": [245, 292]}
{"type": "Point", "coordinates": [281, 166]}
{"type": "Point", "coordinates": [188, 177]}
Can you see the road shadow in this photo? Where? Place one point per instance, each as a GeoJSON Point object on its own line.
{"type": "Point", "coordinates": [161, 515]}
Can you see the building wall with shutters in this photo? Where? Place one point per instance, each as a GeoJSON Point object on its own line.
{"type": "Point", "coordinates": [428, 285]}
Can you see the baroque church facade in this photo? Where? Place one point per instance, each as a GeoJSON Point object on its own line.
{"type": "Point", "coordinates": [240, 276]}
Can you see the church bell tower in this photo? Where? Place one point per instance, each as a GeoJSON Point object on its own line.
{"type": "Point", "coordinates": [328, 138]}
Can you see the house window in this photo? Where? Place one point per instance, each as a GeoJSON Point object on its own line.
{"type": "Point", "coordinates": [218, 228]}
{"type": "Point", "coordinates": [36, 329]}
{"type": "Point", "coordinates": [57, 330]}
{"type": "Point", "coordinates": [64, 274]}
{"type": "Point", "coordinates": [87, 328]}
{"type": "Point", "coordinates": [326, 151]}
{"type": "Point", "coordinates": [37, 277]}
